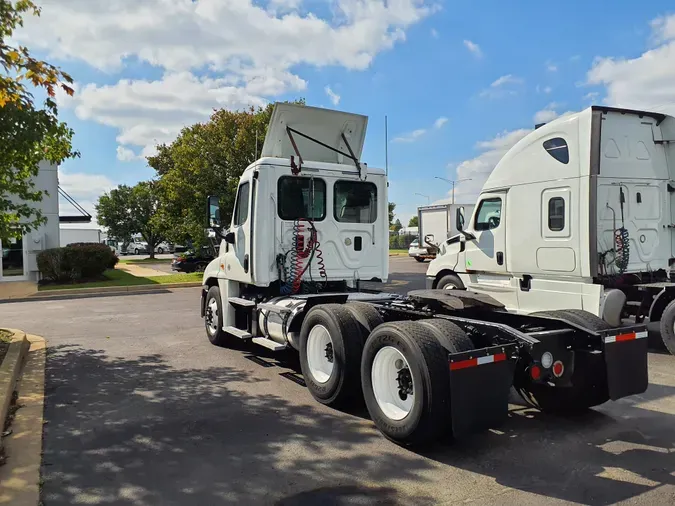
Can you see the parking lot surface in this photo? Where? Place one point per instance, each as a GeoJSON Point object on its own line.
{"type": "Point", "coordinates": [141, 409]}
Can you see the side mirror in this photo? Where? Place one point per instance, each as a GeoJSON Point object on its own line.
{"type": "Point", "coordinates": [213, 210]}
{"type": "Point", "coordinates": [459, 219]}
{"type": "Point", "coordinates": [462, 238]}
{"type": "Point", "coordinates": [229, 238]}
{"type": "Point", "coordinates": [429, 238]}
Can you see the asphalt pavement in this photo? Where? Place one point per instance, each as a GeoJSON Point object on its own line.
{"type": "Point", "coordinates": [142, 410]}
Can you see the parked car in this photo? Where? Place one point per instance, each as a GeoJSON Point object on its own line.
{"type": "Point", "coordinates": [419, 254]}
{"type": "Point", "coordinates": [190, 261]}
{"type": "Point", "coordinates": [164, 247]}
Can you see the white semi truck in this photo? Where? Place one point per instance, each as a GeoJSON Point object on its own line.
{"type": "Point", "coordinates": [309, 224]}
{"type": "Point", "coordinates": [74, 235]}
{"type": "Point", "coordinates": [437, 223]}
{"type": "Point", "coordinates": [578, 214]}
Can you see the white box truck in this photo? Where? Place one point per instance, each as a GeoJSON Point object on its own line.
{"type": "Point", "coordinates": [72, 235]}
{"type": "Point", "coordinates": [310, 221]}
{"type": "Point", "coordinates": [579, 214]}
{"type": "Point", "coordinates": [437, 223]}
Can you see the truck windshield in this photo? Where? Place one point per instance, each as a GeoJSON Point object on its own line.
{"type": "Point", "coordinates": [301, 197]}
{"type": "Point", "coordinates": [355, 202]}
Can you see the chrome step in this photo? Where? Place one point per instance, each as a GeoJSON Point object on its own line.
{"type": "Point", "coordinates": [238, 301]}
{"type": "Point", "coordinates": [273, 308]}
{"type": "Point", "coordinates": [269, 344]}
{"type": "Point", "coordinates": [241, 334]}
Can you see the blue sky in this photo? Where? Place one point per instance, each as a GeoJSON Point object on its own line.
{"type": "Point", "coordinates": [459, 81]}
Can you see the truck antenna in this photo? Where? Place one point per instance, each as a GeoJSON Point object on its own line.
{"type": "Point", "coordinates": [386, 147]}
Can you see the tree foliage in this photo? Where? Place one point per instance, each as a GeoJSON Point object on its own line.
{"type": "Point", "coordinates": [28, 134]}
{"type": "Point", "coordinates": [392, 206]}
{"type": "Point", "coordinates": [414, 222]}
{"type": "Point", "coordinates": [206, 159]}
{"type": "Point", "coordinates": [130, 210]}
{"type": "Point", "coordinates": [397, 225]}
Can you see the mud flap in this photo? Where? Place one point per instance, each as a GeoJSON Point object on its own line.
{"type": "Point", "coordinates": [480, 381]}
{"type": "Point", "coordinates": [625, 353]}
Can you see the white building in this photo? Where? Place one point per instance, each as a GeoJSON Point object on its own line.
{"type": "Point", "coordinates": [19, 256]}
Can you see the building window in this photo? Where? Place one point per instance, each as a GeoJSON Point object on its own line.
{"type": "Point", "coordinates": [556, 214]}
{"type": "Point", "coordinates": [558, 149]}
{"type": "Point", "coordinates": [301, 197]}
{"type": "Point", "coordinates": [489, 214]}
{"type": "Point", "coordinates": [241, 209]}
{"type": "Point", "coordinates": [355, 202]}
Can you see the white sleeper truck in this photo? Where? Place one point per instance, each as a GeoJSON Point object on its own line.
{"type": "Point", "coordinates": [578, 214]}
{"type": "Point", "coordinates": [309, 225]}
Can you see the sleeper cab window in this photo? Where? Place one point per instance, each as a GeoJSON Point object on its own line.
{"type": "Point", "coordinates": [556, 214]}
{"type": "Point", "coordinates": [557, 148]}
{"type": "Point", "coordinates": [489, 214]}
{"type": "Point", "coordinates": [355, 202]}
{"type": "Point", "coordinates": [301, 197]}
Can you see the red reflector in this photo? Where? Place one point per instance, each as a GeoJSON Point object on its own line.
{"type": "Point", "coordinates": [535, 372]}
{"type": "Point", "coordinates": [625, 337]}
{"type": "Point", "coordinates": [558, 369]}
{"type": "Point", "coordinates": [463, 364]}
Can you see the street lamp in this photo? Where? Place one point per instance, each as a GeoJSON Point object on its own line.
{"type": "Point", "coordinates": [422, 195]}
{"type": "Point", "coordinates": [453, 182]}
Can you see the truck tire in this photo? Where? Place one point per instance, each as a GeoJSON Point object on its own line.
{"type": "Point", "coordinates": [160, 250]}
{"type": "Point", "coordinates": [136, 251]}
{"type": "Point", "coordinates": [449, 335]}
{"type": "Point", "coordinates": [331, 342]}
{"type": "Point", "coordinates": [588, 387]}
{"type": "Point", "coordinates": [667, 327]}
{"type": "Point", "coordinates": [450, 282]}
{"type": "Point", "coordinates": [579, 316]}
{"type": "Point", "coordinates": [366, 315]}
{"type": "Point", "coordinates": [406, 382]}
{"type": "Point", "coordinates": [420, 259]}
{"type": "Point", "coordinates": [213, 318]}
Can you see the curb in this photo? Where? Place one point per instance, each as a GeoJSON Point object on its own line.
{"type": "Point", "coordinates": [105, 291]}
{"type": "Point", "coordinates": [9, 370]}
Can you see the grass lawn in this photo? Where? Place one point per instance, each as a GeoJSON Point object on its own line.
{"type": "Point", "coordinates": [117, 277]}
{"type": "Point", "coordinates": [398, 252]}
{"type": "Point", "coordinates": [145, 260]}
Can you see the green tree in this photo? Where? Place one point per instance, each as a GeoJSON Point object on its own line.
{"type": "Point", "coordinates": [414, 222]}
{"type": "Point", "coordinates": [392, 206]}
{"type": "Point", "coordinates": [206, 159]}
{"type": "Point", "coordinates": [130, 210]}
{"type": "Point", "coordinates": [28, 134]}
{"type": "Point", "coordinates": [397, 225]}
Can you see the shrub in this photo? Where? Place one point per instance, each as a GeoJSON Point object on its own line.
{"type": "Point", "coordinates": [76, 262]}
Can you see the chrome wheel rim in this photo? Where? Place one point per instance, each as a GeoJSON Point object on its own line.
{"type": "Point", "coordinates": [393, 385]}
{"type": "Point", "coordinates": [320, 357]}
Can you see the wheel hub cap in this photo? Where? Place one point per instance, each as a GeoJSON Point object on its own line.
{"type": "Point", "coordinates": [320, 355]}
{"type": "Point", "coordinates": [393, 384]}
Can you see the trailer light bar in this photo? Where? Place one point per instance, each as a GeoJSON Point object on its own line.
{"type": "Point", "coordinates": [631, 336]}
{"type": "Point", "coordinates": [473, 362]}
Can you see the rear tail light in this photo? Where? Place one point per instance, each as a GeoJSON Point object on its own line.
{"type": "Point", "coordinates": [558, 368]}
{"type": "Point", "coordinates": [535, 372]}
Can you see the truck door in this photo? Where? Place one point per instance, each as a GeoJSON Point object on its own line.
{"type": "Point", "coordinates": [238, 255]}
{"type": "Point", "coordinates": [486, 253]}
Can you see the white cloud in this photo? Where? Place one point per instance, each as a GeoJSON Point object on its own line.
{"type": "Point", "coordinates": [551, 67]}
{"type": "Point", "coordinates": [502, 86]}
{"type": "Point", "coordinates": [591, 96]}
{"type": "Point", "coordinates": [547, 89]}
{"type": "Point", "coordinates": [479, 168]}
{"type": "Point", "coordinates": [211, 53]}
{"type": "Point", "coordinates": [85, 189]}
{"type": "Point", "coordinates": [473, 48]}
{"type": "Point", "coordinates": [420, 132]}
{"type": "Point", "coordinates": [410, 137]}
{"type": "Point", "coordinates": [334, 97]}
{"type": "Point", "coordinates": [549, 113]}
{"type": "Point", "coordinates": [645, 82]}
{"type": "Point", "coordinates": [434, 33]}
{"type": "Point", "coordinates": [126, 154]}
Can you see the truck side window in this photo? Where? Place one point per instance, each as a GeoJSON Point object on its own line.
{"type": "Point", "coordinates": [355, 202]}
{"type": "Point", "coordinates": [489, 214]}
{"type": "Point", "coordinates": [556, 214]}
{"type": "Point", "coordinates": [301, 197]}
{"type": "Point", "coordinates": [241, 208]}
{"type": "Point", "coordinates": [558, 149]}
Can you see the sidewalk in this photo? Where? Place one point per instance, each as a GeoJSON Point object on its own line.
{"type": "Point", "coordinates": [139, 271]}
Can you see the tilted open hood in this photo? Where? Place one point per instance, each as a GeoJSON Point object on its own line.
{"type": "Point", "coordinates": [323, 125]}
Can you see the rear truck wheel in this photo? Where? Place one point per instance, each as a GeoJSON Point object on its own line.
{"type": "Point", "coordinates": [331, 343]}
{"type": "Point", "coordinates": [406, 382]}
{"type": "Point", "coordinates": [588, 383]}
{"type": "Point", "coordinates": [160, 250]}
{"type": "Point", "coordinates": [667, 327]}
{"type": "Point", "coordinates": [579, 316]}
{"type": "Point", "coordinates": [450, 282]}
{"type": "Point", "coordinates": [136, 251]}
{"type": "Point", "coordinates": [366, 315]}
{"type": "Point", "coordinates": [213, 318]}
{"type": "Point", "coordinates": [420, 259]}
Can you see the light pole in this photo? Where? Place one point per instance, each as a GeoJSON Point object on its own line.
{"type": "Point", "coordinates": [422, 195]}
{"type": "Point", "coordinates": [453, 182]}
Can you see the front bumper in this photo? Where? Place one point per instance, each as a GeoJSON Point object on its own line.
{"type": "Point", "coordinates": [430, 281]}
